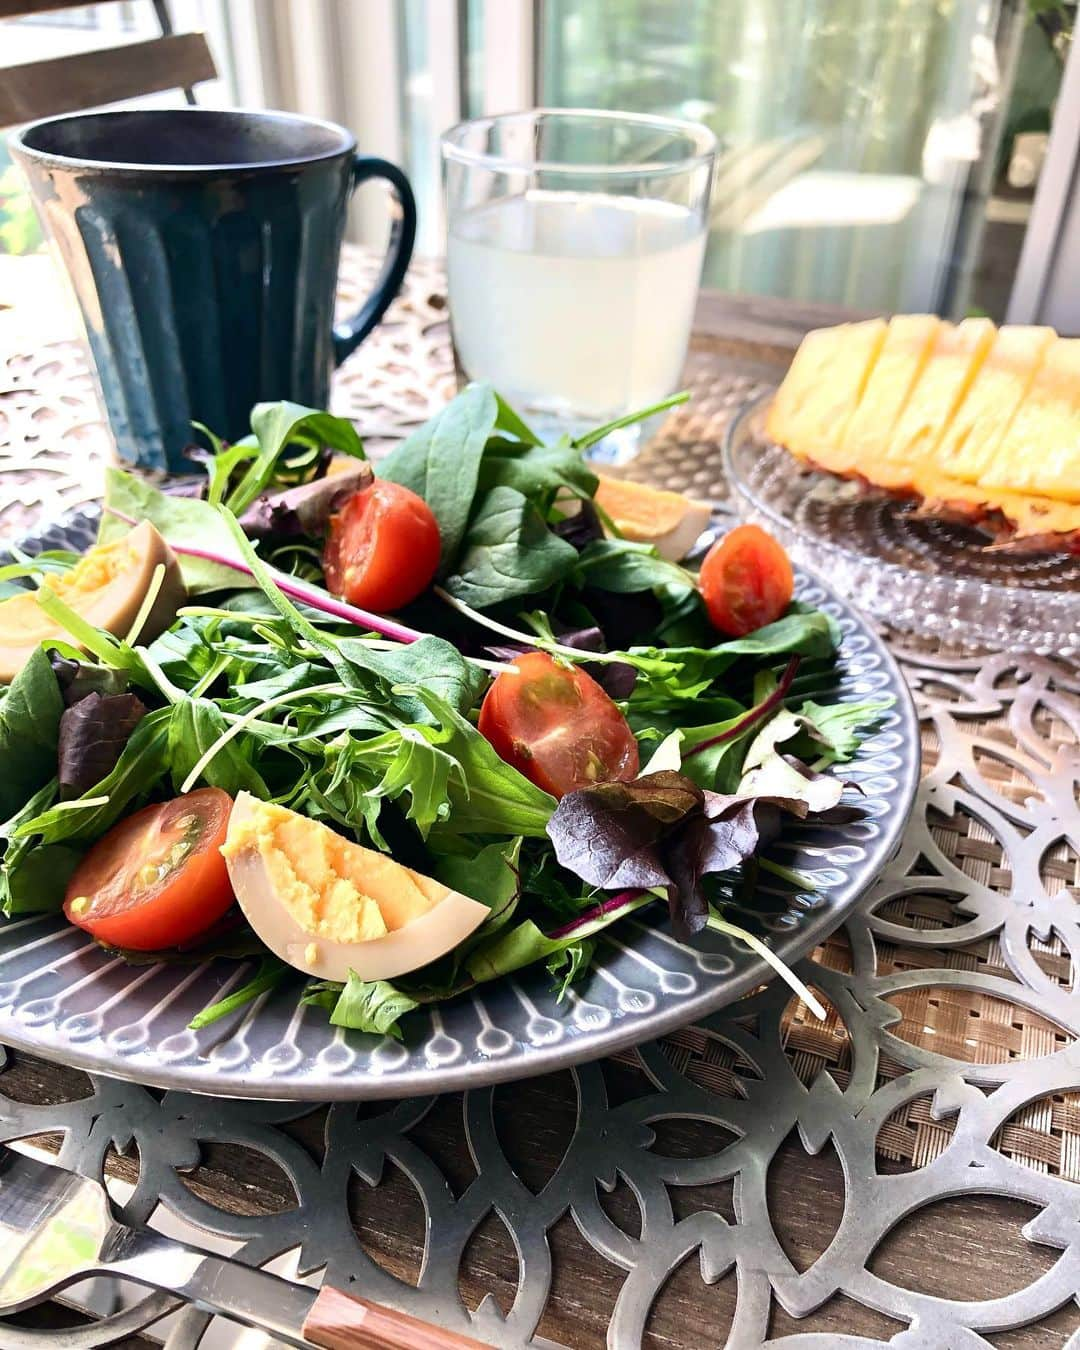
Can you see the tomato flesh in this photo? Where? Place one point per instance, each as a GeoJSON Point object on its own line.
{"type": "Point", "coordinates": [157, 879]}
{"type": "Point", "coordinates": [383, 547]}
{"type": "Point", "coordinates": [557, 726]}
{"type": "Point", "coordinates": [746, 581]}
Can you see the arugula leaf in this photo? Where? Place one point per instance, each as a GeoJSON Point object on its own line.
{"type": "Point", "coordinates": [30, 715]}
{"type": "Point", "coordinates": [570, 964]}
{"type": "Point", "coordinates": [836, 725]}
{"type": "Point", "coordinates": [270, 973]}
{"type": "Point", "coordinates": [276, 426]}
{"type": "Point", "coordinates": [431, 662]}
{"type": "Point", "coordinates": [490, 797]}
{"type": "Point", "coordinates": [374, 1006]}
{"type": "Point", "coordinates": [194, 726]}
{"type": "Point", "coordinates": [441, 462]}
{"type": "Point", "coordinates": [508, 552]}
{"type": "Point", "coordinates": [417, 768]}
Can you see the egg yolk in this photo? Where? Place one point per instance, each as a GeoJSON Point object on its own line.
{"type": "Point", "coordinates": [331, 887]}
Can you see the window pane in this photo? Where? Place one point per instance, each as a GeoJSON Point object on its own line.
{"type": "Point", "coordinates": [880, 155]}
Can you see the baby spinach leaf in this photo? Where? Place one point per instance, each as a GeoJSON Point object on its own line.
{"type": "Point", "coordinates": [490, 876]}
{"type": "Point", "coordinates": [508, 420]}
{"type": "Point", "coordinates": [626, 567]}
{"type": "Point", "coordinates": [536, 471]}
{"type": "Point", "coordinates": [798, 634]}
{"type": "Point", "coordinates": [508, 552]}
{"type": "Point", "coordinates": [30, 715]}
{"type": "Point", "coordinates": [15, 896]}
{"type": "Point", "coordinates": [35, 882]}
{"type": "Point", "coordinates": [441, 462]}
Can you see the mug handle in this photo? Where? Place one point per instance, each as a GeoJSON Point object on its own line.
{"type": "Point", "coordinates": [349, 334]}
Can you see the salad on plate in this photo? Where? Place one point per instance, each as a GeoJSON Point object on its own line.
{"type": "Point", "coordinates": [403, 730]}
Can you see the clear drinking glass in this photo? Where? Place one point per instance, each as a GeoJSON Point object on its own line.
{"type": "Point", "coordinates": [574, 252]}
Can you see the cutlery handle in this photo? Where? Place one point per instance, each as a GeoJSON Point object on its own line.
{"type": "Point", "coordinates": [339, 1321]}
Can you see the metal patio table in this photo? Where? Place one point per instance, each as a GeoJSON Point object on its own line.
{"type": "Point", "coordinates": [904, 1174]}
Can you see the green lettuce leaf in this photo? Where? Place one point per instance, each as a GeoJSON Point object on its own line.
{"type": "Point", "coordinates": [179, 520]}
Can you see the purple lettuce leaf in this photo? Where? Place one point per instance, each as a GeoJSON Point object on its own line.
{"type": "Point", "coordinates": [93, 734]}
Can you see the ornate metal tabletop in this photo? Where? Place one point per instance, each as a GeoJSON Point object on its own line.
{"type": "Point", "coordinates": [904, 1174]}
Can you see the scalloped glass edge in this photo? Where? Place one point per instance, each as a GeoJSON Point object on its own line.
{"type": "Point", "coordinates": [956, 609]}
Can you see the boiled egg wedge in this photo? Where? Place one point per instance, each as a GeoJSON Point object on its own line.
{"type": "Point", "coordinates": [670, 521]}
{"type": "Point", "coordinates": [106, 587]}
{"type": "Point", "coordinates": [328, 906]}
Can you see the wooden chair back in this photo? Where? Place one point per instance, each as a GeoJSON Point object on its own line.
{"type": "Point", "coordinates": [65, 84]}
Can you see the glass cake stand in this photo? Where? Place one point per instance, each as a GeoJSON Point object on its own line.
{"type": "Point", "coordinates": [917, 574]}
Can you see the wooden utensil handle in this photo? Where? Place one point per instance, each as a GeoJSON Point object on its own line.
{"type": "Point", "coordinates": [340, 1321]}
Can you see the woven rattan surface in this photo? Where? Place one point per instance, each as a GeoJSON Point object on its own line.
{"type": "Point", "coordinates": [948, 1056]}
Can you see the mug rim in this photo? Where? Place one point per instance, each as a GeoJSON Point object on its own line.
{"type": "Point", "coordinates": [347, 145]}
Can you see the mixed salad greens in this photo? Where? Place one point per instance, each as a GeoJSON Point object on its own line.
{"type": "Point", "coordinates": [396, 732]}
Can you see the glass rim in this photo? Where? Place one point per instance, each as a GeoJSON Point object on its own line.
{"type": "Point", "coordinates": [694, 131]}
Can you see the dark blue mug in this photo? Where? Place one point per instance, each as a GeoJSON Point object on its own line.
{"type": "Point", "coordinates": [203, 247]}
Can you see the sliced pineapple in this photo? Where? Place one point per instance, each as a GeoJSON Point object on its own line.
{"type": "Point", "coordinates": [823, 387]}
{"type": "Point", "coordinates": [1004, 380]}
{"type": "Point", "coordinates": [954, 361]}
{"type": "Point", "coordinates": [1040, 449]}
{"type": "Point", "coordinates": [908, 343]}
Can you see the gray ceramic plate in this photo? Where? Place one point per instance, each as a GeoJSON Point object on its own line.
{"type": "Point", "coordinates": [63, 998]}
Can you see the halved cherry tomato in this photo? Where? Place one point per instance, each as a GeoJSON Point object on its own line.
{"type": "Point", "coordinates": [557, 726]}
{"type": "Point", "coordinates": [158, 878]}
{"type": "Point", "coordinates": [383, 547]}
{"type": "Point", "coordinates": [746, 581]}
